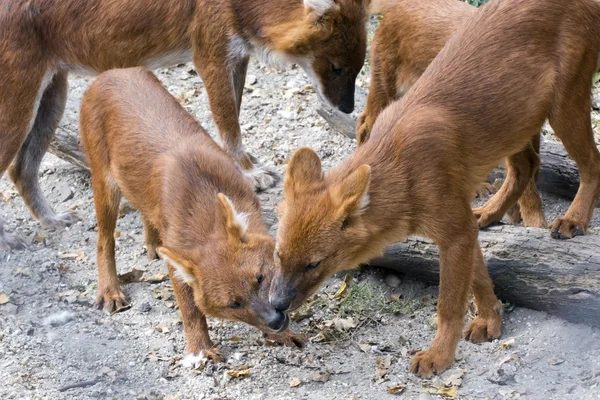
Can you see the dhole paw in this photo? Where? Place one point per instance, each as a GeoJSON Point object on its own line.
{"type": "Point", "coordinates": [111, 300]}
{"type": "Point", "coordinates": [60, 220]}
{"type": "Point", "coordinates": [534, 219]}
{"type": "Point", "coordinates": [151, 252]}
{"type": "Point", "coordinates": [426, 363]}
{"type": "Point", "coordinates": [482, 330]}
{"type": "Point", "coordinates": [563, 228]}
{"type": "Point", "coordinates": [485, 190]}
{"type": "Point", "coordinates": [194, 361]}
{"type": "Point", "coordinates": [9, 241]}
{"type": "Point", "coordinates": [287, 338]}
{"type": "Point", "coordinates": [485, 218]}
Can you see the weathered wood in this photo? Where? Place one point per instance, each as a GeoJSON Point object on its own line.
{"type": "Point", "coordinates": [528, 267]}
{"type": "Point", "coordinates": [66, 146]}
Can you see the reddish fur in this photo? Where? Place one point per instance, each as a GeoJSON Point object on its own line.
{"type": "Point", "coordinates": [140, 142]}
{"type": "Point", "coordinates": [483, 98]}
{"type": "Point", "coordinates": [409, 37]}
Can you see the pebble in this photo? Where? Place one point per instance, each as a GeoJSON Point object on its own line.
{"type": "Point", "coordinates": [392, 281]}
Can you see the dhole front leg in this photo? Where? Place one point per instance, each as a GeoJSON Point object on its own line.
{"type": "Point", "coordinates": [106, 199]}
{"type": "Point", "coordinates": [221, 75]}
{"type": "Point", "coordinates": [456, 274]}
{"type": "Point", "coordinates": [194, 321]}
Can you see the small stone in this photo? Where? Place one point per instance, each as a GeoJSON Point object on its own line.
{"type": "Point", "coordinates": [250, 79]}
{"type": "Point", "coordinates": [145, 307]}
{"type": "Point", "coordinates": [30, 332]}
{"type": "Point", "coordinates": [393, 281]}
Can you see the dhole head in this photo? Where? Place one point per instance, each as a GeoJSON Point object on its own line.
{"type": "Point", "coordinates": [329, 42]}
{"type": "Point", "coordinates": [230, 275]}
{"type": "Point", "coordinates": [321, 228]}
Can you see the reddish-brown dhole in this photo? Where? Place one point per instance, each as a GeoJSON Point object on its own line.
{"type": "Point", "coordinates": [510, 67]}
{"type": "Point", "coordinates": [199, 212]}
{"type": "Point", "coordinates": [41, 41]}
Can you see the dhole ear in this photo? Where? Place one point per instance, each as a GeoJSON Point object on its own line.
{"type": "Point", "coordinates": [320, 7]}
{"type": "Point", "coordinates": [352, 194]}
{"type": "Point", "coordinates": [303, 169]}
{"type": "Point", "coordinates": [184, 269]}
{"type": "Point", "coordinates": [235, 224]}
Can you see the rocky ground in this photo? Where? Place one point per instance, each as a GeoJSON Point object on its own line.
{"type": "Point", "coordinates": [55, 345]}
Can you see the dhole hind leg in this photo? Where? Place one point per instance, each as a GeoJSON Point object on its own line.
{"type": "Point", "coordinates": [194, 321]}
{"type": "Point", "coordinates": [456, 274]}
{"type": "Point", "coordinates": [223, 96]}
{"type": "Point", "coordinates": [571, 121]}
{"type": "Point", "coordinates": [487, 325]}
{"type": "Point", "coordinates": [106, 199]}
{"type": "Point", "coordinates": [529, 208]}
{"type": "Point", "coordinates": [25, 169]}
{"type": "Point", "coordinates": [520, 167]}
{"type": "Point", "coordinates": [152, 238]}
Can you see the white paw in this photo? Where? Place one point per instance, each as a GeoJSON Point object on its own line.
{"type": "Point", "coordinates": [194, 361]}
{"type": "Point", "coordinates": [262, 177]}
{"type": "Point", "coordinates": [60, 220]}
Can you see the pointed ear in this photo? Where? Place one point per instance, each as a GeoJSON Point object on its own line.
{"type": "Point", "coordinates": [352, 194]}
{"type": "Point", "coordinates": [303, 169]}
{"type": "Point", "coordinates": [184, 269]}
{"type": "Point", "coordinates": [319, 7]}
{"type": "Point", "coordinates": [235, 224]}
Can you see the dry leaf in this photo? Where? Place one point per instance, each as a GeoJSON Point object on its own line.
{"type": "Point", "coordinates": [121, 309]}
{"type": "Point", "coordinates": [134, 275]}
{"type": "Point", "coordinates": [4, 298]}
{"type": "Point", "coordinates": [321, 377]}
{"type": "Point", "coordinates": [239, 374]}
{"type": "Point", "coordinates": [117, 234]}
{"type": "Point", "coordinates": [396, 389]}
{"type": "Point", "coordinates": [383, 365]}
{"type": "Point", "coordinates": [156, 278]}
{"type": "Point", "coordinates": [451, 392]}
{"type": "Point", "coordinates": [341, 324]}
{"type": "Point", "coordinates": [343, 290]}
{"type": "Point", "coordinates": [163, 293]}
{"type": "Point", "coordinates": [162, 327]}
{"type": "Point", "coordinates": [40, 237]}
{"type": "Point", "coordinates": [507, 343]}
{"type": "Point", "coordinates": [79, 256]}
{"type": "Point", "coordinates": [455, 379]}
{"type": "Point", "coordinates": [365, 347]}
{"type": "Point", "coordinates": [320, 338]}
{"type": "Point", "coordinates": [157, 357]}
{"type": "Point", "coordinates": [235, 339]}
{"type": "Point", "coordinates": [295, 382]}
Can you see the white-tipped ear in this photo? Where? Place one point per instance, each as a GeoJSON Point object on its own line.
{"type": "Point", "coordinates": [182, 267]}
{"type": "Point", "coordinates": [320, 6]}
{"type": "Point", "coordinates": [236, 224]}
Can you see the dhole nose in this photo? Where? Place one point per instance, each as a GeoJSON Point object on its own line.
{"type": "Point", "coordinates": [279, 322]}
{"type": "Point", "coordinates": [281, 303]}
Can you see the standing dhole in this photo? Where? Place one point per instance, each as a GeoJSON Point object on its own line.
{"type": "Point", "coordinates": [510, 67]}
{"type": "Point", "coordinates": [409, 37]}
{"type": "Point", "coordinates": [41, 41]}
{"type": "Point", "coordinates": [200, 214]}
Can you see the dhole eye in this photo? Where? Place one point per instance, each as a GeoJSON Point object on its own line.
{"type": "Point", "coordinates": [336, 70]}
{"type": "Point", "coordinates": [260, 278]}
{"type": "Point", "coordinates": [312, 266]}
{"type": "Point", "coordinates": [235, 305]}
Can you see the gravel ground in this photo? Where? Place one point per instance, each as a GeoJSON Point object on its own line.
{"type": "Point", "coordinates": [55, 345]}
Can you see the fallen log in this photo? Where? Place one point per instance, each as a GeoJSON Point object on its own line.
{"type": "Point", "coordinates": [528, 267]}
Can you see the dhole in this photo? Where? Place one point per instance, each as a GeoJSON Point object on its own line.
{"type": "Point", "coordinates": [483, 98]}
{"type": "Point", "coordinates": [41, 41]}
{"type": "Point", "coordinates": [409, 37]}
{"type": "Point", "coordinates": [200, 214]}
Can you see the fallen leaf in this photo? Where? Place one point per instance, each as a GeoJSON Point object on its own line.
{"type": "Point", "coordinates": [239, 374]}
{"type": "Point", "coordinates": [383, 365]}
{"type": "Point", "coordinates": [134, 275]}
{"type": "Point", "coordinates": [162, 327]}
{"type": "Point", "coordinates": [343, 289]}
{"type": "Point", "coordinates": [396, 389]}
{"type": "Point", "coordinates": [156, 278]}
{"type": "Point", "coordinates": [40, 237]}
{"type": "Point", "coordinates": [157, 357]}
{"type": "Point", "coordinates": [320, 338]}
{"type": "Point", "coordinates": [340, 324]}
{"type": "Point", "coordinates": [451, 392]}
{"type": "Point", "coordinates": [321, 377]}
{"type": "Point", "coordinates": [455, 379]}
{"type": "Point", "coordinates": [507, 343]}
{"type": "Point", "coordinates": [121, 309]}
{"type": "Point", "coordinates": [235, 339]}
{"type": "Point", "coordinates": [295, 382]}
{"type": "Point", "coordinates": [117, 234]}
{"type": "Point", "coordinates": [68, 256]}
{"type": "Point", "coordinates": [4, 298]}
{"type": "Point", "coordinates": [365, 347]}
{"type": "Point", "coordinates": [556, 362]}
{"type": "Point", "coordinates": [163, 293]}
